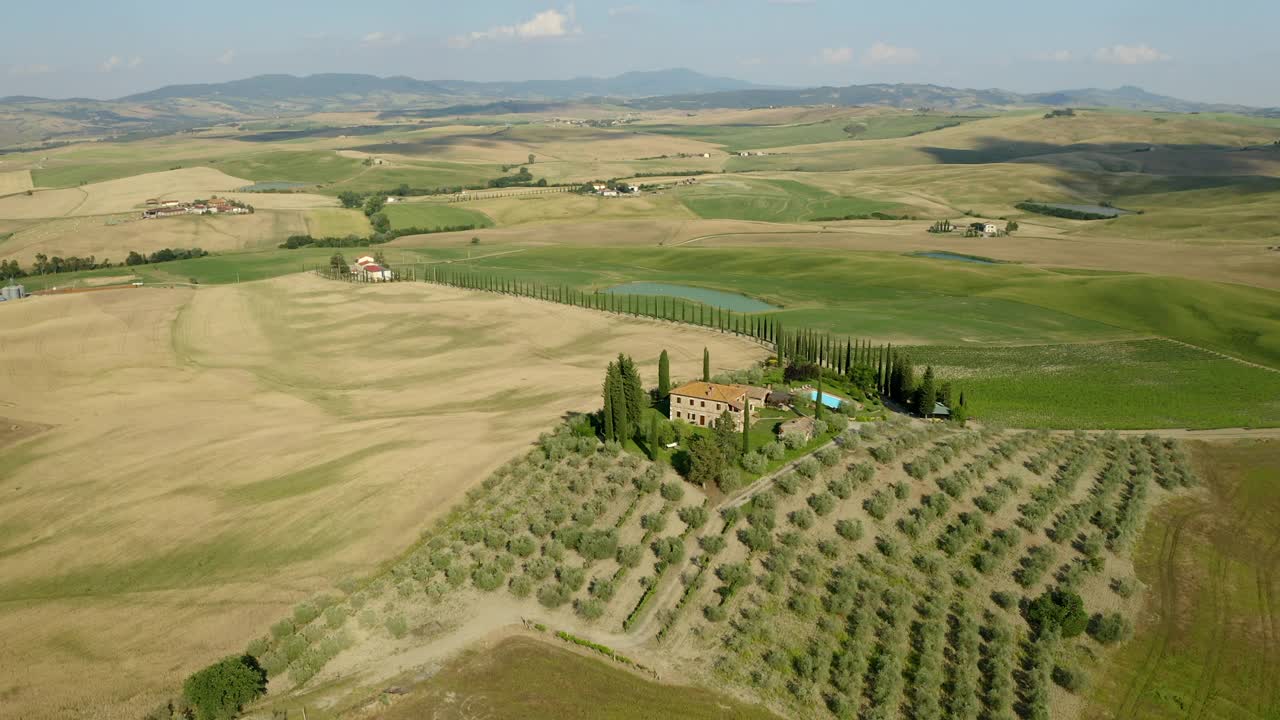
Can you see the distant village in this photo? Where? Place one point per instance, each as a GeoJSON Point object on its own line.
{"type": "Point", "coordinates": [157, 208]}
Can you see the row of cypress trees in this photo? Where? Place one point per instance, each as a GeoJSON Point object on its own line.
{"type": "Point", "coordinates": [891, 371]}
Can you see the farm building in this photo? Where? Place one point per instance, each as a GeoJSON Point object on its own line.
{"type": "Point", "coordinates": [13, 292]}
{"type": "Point", "coordinates": [802, 425]}
{"type": "Point", "coordinates": [701, 403]}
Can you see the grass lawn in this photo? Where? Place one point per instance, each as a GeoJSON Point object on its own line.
{"type": "Point", "coordinates": [1205, 647]}
{"type": "Point", "coordinates": [434, 215]}
{"type": "Point", "coordinates": [337, 222]}
{"type": "Point", "coordinates": [534, 680]}
{"type": "Point", "coordinates": [772, 201]}
{"type": "Point", "coordinates": [414, 174]}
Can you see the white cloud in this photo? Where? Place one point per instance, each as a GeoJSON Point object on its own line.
{"type": "Point", "coordinates": [226, 58]}
{"type": "Point", "coordinates": [115, 62]}
{"type": "Point", "coordinates": [625, 10]}
{"type": "Point", "coordinates": [836, 56]}
{"type": "Point", "coordinates": [1054, 56]}
{"type": "Point", "coordinates": [885, 54]}
{"type": "Point", "coordinates": [1129, 55]}
{"type": "Point", "coordinates": [546, 24]}
{"type": "Point", "coordinates": [379, 38]}
{"type": "Point", "coordinates": [751, 61]}
{"type": "Point", "coordinates": [33, 69]}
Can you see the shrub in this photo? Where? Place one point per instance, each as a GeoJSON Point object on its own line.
{"type": "Point", "coordinates": [756, 538]}
{"type": "Point", "coordinates": [305, 613]}
{"type": "Point", "coordinates": [521, 586]}
{"type": "Point", "coordinates": [711, 544]}
{"type": "Point", "coordinates": [840, 487]}
{"type": "Point", "coordinates": [669, 549]}
{"type": "Point", "coordinates": [693, 516]}
{"type": "Point", "coordinates": [808, 468]}
{"type": "Point", "coordinates": [774, 450]}
{"type": "Point", "coordinates": [590, 609]}
{"type": "Point", "coordinates": [1057, 610]}
{"type": "Point", "coordinates": [522, 546]}
{"type": "Point", "coordinates": [850, 530]}
{"type": "Point", "coordinates": [878, 505]}
{"type": "Point", "coordinates": [572, 578]}
{"type": "Point", "coordinates": [653, 522]}
{"type": "Point", "coordinates": [602, 588]}
{"type": "Point", "coordinates": [598, 544]}
{"type": "Point", "coordinates": [901, 490]}
{"type": "Point", "coordinates": [829, 549]}
{"type": "Point", "coordinates": [487, 577]}
{"type": "Point", "coordinates": [553, 596]}
{"type": "Point", "coordinates": [218, 692]}
{"type": "Point", "coordinates": [282, 629]}
{"type": "Point", "coordinates": [1124, 587]}
{"type": "Point", "coordinates": [1110, 628]}
{"type": "Point", "coordinates": [788, 483]}
{"type": "Point", "coordinates": [629, 555]}
{"type": "Point", "coordinates": [1068, 679]}
{"type": "Point", "coordinates": [397, 626]}
{"type": "Point", "coordinates": [540, 568]}
{"type": "Point", "coordinates": [828, 456]}
{"type": "Point", "coordinates": [793, 440]}
{"type": "Point", "coordinates": [1004, 599]}
{"type": "Point", "coordinates": [714, 613]}
{"type": "Point", "coordinates": [335, 616]}
{"type": "Point", "coordinates": [822, 503]}
{"type": "Point", "coordinates": [672, 491]}
{"type": "Point", "coordinates": [802, 518]}
{"type": "Point", "coordinates": [754, 463]}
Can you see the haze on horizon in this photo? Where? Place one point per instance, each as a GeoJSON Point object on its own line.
{"type": "Point", "coordinates": [1222, 52]}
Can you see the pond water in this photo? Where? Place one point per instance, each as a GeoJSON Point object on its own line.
{"type": "Point", "coordinates": [272, 185]}
{"type": "Point", "coordinates": [943, 255]}
{"type": "Point", "coordinates": [716, 298]}
{"type": "Point", "coordinates": [1095, 209]}
{"type": "Point", "coordinates": [828, 399]}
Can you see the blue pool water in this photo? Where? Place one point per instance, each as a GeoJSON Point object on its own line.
{"type": "Point", "coordinates": [828, 399]}
{"type": "Point", "coordinates": [714, 298]}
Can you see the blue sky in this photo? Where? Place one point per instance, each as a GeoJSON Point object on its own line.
{"type": "Point", "coordinates": [1220, 51]}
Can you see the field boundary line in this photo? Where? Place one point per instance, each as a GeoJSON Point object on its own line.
{"type": "Point", "coordinates": [1223, 355]}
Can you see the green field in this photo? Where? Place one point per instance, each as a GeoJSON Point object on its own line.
{"type": "Point", "coordinates": [772, 201]}
{"type": "Point", "coordinates": [92, 172]}
{"type": "Point", "coordinates": [534, 680]}
{"type": "Point", "coordinates": [416, 175]}
{"type": "Point", "coordinates": [434, 215]}
{"type": "Point", "coordinates": [735, 138]}
{"type": "Point", "coordinates": [1127, 384]}
{"type": "Point", "coordinates": [1206, 646]}
{"type": "Point", "coordinates": [309, 166]}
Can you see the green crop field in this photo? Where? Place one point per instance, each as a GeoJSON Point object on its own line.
{"type": "Point", "coordinates": [772, 201]}
{"type": "Point", "coordinates": [1206, 645]}
{"type": "Point", "coordinates": [434, 215]}
{"type": "Point", "coordinates": [735, 138]}
{"type": "Point", "coordinates": [526, 678]}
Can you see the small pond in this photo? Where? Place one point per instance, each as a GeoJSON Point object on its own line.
{"type": "Point", "coordinates": [944, 255]}
{"type": "Point", "coordinates": [1094, 209]}
{"type": "Point", "coordinates": [715, 298]}
{"type": "Point", "coordinates": [828, 399]}
{"type": "Point", "coordinates": [272, 185]}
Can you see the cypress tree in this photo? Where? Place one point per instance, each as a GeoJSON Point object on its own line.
{"type": "Point", "coordinates": [706, 365]}
{"type": "Point", "coordinates": [746, 427]}
{"type": "Point", "coordinates": [848, 356]}
{"type": "Point", "coordinates": [651, 437]}
{"type": "Point", "coordinates": [633, 393]}
{"type": "Point", "coordinates": [622, 427]}
{"type": "Point", "coordinates": [664, 376]}
{"type": "Point", "coordinates": [927, 394]}
{"type": "Point", "coordinates": [610, 432]}
{"type": "Point", "coordinates": [778, 345]}
{"type": "Point", "coordinates": [817, 405]}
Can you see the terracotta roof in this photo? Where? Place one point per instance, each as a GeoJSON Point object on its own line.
{"type": "Point", "coordinates": [732, 395]}
{"type": "Point", "coordinates": [373, 268]}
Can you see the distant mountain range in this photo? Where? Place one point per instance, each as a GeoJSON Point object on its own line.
{"type": "Point", "coordinates": [27, 120]}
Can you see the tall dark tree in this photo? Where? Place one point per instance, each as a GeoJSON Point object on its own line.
{"type": "Point", "coordinates": [633, 392]}
{"type": "Point", "coordinates": [817, 404]}
{"type": "Point", "coordinates": [746, 427]}
{"type": "Point", "coordinates": [706, 365]}
{"type": "Point", "coordinates": [664, 376]}
{"type": "Point", "coordinates": [926, 396]}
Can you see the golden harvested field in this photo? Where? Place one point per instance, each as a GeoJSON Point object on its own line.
{"type": "Point", "coordinates": [15, 182]}
{"type": "Point", "coordinates": [115, 196]}
{"type": "Point", "coordinates": [84, 236]}
{"type": "Point", "coordinates": [215, 455]}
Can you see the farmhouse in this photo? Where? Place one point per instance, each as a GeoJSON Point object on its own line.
{"type": "Point", "coordinates": [214, 206]}
{"type": "Point", "coordinates": [702, 403]}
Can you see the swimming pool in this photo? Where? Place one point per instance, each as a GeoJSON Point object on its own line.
{"type": "Point", "coordinates": [828, 399]}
